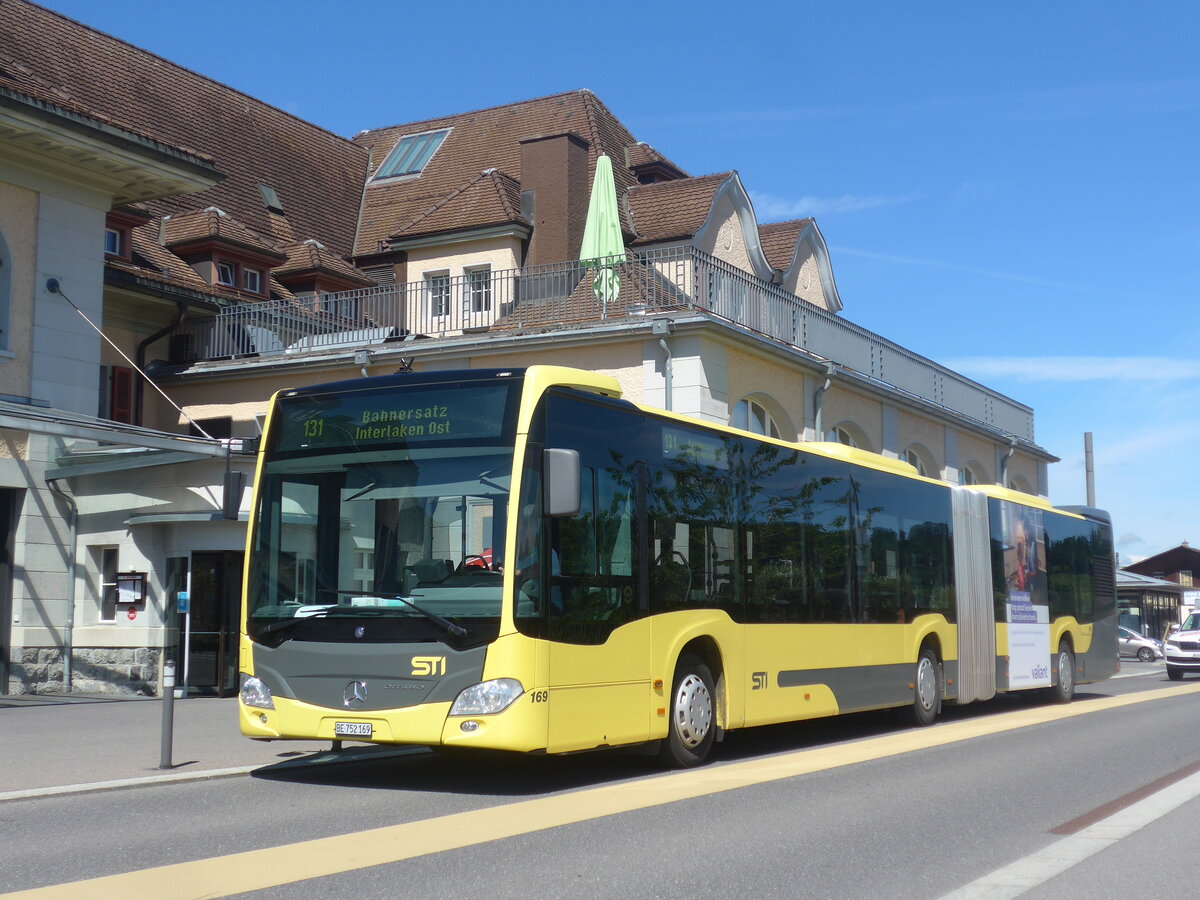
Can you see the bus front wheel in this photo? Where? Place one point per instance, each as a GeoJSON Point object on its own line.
{"type": "Point", "coordinates": [693, 724]}
{"type": "Point", "coordinates": [927, 689]}
{"type": "Point", "coordinates": [1063, 688]}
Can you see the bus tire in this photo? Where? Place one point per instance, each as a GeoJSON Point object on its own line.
{"type": "Point", "coordinates": [1063, 688]}
{"type": "Point", "coordinates": [693, 715]}
{"type": "Point", "coordinates": [1175, 673]}
{"type": "Point", "coordinates": [927, 687]}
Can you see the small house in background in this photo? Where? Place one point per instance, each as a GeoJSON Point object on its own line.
{"type": "Point", "coordinates": [1148, 605]}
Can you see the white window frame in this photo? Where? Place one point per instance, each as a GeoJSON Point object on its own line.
{"type": "Point", "coordinates": [256, 276]}
{"type": "Point", "coordinates": [918, 457]}
{"type": "Point", "coordinates": [752, 415]}
{"type": "Point", "coordinates": [232, 267]}
{"type": "Point", "coordinates": [478, 287]}
{"type": "Point", "coordinates": [112, 241]}
{"type": "Point", "coordinates": [437, 289]}
{"type": "Point", "coordinates": [107, 554]}
{"type": "Point", "coordinates": [840, 434]}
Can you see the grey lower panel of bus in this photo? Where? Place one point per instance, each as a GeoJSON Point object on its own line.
{"type": "Point", "coordinates": [858, 688]}
{"type": "Point", "coordinates": [1100, 661]}
{"type": "Point", "coordinates": [973, 597]}
{"type": "Point", "coordinates": [324, 674]}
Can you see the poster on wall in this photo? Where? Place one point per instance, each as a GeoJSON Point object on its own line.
{"type": "Point", "coordinates": [1026, 603]}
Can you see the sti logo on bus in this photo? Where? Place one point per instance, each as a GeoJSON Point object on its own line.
{"type": "Point", "coordinates": [758, 681]}
{"type": "Point", "coordinates": [429, 665]}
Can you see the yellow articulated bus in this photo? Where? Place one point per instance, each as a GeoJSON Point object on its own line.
{"type": "Point", "coordinates": [522, 560]}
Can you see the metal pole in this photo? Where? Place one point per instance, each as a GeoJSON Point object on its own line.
{"type": "Point", "coordinates": [168, 713]}
{"type": "Point", "coordinates": [1089, 468]}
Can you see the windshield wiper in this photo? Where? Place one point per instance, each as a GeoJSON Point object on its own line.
{"type": "Point", "coordinates": [286, 624]}
{"type": "Point", "coordinates": [453, 627]}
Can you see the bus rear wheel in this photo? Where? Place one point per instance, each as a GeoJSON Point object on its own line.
{"type": "Point", "coordinates": [693, 724]}
{"type": "Point", "coordinates": [1063, 688]}
{"type": "Point", "coordinates": [927, 688]}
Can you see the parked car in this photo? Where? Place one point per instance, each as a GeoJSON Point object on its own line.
{"type": "Point", "coordinates": [1130, 643]}
{"type": "Point", "coordinates": [1183, 648]}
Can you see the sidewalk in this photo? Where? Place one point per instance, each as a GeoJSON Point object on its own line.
{"type": "Point", "coordinates": [49, 741]}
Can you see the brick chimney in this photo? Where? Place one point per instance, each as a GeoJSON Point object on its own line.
{"type": "Point", "coordinates": [554, 168]}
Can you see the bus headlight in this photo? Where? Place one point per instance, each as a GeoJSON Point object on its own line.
{"type": "Point", "coordinates": [487, 697]}
{"type": "Point", "coordinates": [256, 693]}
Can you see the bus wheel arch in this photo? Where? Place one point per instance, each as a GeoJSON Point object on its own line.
{"type": "Point", "coordinates": [928, 678]}
{"type": "Point", "coordinates": [1062, 687]}
{"type": "Point", "coordinates": [695, 706]}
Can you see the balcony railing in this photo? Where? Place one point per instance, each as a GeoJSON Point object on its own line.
{"type": "Point", "coordinates": [543, 298]}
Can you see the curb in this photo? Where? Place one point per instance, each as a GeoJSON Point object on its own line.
{"type": "Point", "coordinates": [322, 758]}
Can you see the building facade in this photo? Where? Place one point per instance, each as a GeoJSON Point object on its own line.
{"type": "Point", "coordinates": [279, 255]}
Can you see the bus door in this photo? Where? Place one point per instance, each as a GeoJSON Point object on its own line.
{"type": "Point", "coordinates": [600, 637]}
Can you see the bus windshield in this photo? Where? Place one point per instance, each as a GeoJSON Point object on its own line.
{"type": "Point", "coordinates": [406, 533]}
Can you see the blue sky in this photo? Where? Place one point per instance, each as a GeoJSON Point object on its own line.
{"type": "Point", "coordinates": [1008, 189]}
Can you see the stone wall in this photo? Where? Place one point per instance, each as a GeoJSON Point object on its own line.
{"type": "Point", "coordinates": [103, 670]}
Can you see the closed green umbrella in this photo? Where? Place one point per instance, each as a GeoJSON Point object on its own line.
{"type": "Point", "coordinates": [603, 247]}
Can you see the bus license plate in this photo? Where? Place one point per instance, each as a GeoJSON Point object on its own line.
{"type": "Point", "coordinates": [352, 729]}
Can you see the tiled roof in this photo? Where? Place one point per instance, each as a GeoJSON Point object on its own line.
{"type": "Point", "coordinates": [479, 140]}
{"type": "Point", "coordinates": [184, 228]}
{"type": "Point", "coordinates": [153, 262]}
{"type": "Point", "coordinates": [490, 198]}
{"type": "Point", "coordinates": [642, 154]}
{"type": "Point", "coordinates": [309, 255]}
{"type": "Point", "coordinates": [673, 210]}
{"type": "Point", "coordinates": [778, 241]}
{"type": "Point", "coordinates": [317, 175]}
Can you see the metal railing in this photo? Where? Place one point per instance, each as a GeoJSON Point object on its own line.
{"type": "Point", "coordinates": [541, 298]}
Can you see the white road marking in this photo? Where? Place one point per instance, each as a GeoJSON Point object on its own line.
{"type": "Point", "coordinates": [1037, 868]}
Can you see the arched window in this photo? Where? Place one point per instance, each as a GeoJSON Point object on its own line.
{"type": "Point", "coordinates": [751, 414]}
{"type": "Point", "coordinates": [972, 473]}
{"type": "Point", "coordinates": [842, 435]}
{"type": "Point", "coordinates": [1021, 483]}
{"type": "Point", "coordinates": [920, 459]}
{"type": "Point", "coordinates": [849, 434]}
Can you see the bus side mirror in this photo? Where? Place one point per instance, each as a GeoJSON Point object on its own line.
{"type": "Point", "coordinates": [560, 480]}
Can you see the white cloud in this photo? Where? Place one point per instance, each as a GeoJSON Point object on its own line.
{"type": "Point", "coordinates": [768, 206]}
{"type": "Point", "coordinates": [1139, 369]}
{"type": "Point", "coordinates": [956, 267]}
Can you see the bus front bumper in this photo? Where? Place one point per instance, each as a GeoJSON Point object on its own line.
{"type": "Point", "coordinates": [521, 727]}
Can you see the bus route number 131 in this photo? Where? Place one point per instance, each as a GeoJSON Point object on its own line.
{"type": "Point", "coordinates": [314, 428]}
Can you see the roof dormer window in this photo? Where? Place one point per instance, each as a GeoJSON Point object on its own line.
{"type": "Point", "coordinates": [252, 281]}
{"type": "Point", "coordinates": [226, 274]}
{"type": "Point", "coordinates": [411, 153]}
{"type": "Point", "coordinates": [112, 242]}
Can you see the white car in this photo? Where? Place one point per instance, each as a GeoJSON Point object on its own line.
{"type": "Point", "coordinates": [1182, 648]}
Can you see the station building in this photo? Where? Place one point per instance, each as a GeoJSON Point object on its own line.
{"type": "Point", "coordinates": [224, 249]}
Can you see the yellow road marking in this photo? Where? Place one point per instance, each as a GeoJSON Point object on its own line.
{"type": "Point", "coordinates": [254, 870]}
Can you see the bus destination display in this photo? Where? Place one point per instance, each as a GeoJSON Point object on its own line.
{"type": "Point", "coordinates": [375, 417]}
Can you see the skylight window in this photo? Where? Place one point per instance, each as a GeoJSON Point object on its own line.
{"type": "Point", "coordinates": [411, 153]}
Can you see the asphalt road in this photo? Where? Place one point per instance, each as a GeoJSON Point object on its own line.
{"type": "Point", "coordinates": [862, 806]}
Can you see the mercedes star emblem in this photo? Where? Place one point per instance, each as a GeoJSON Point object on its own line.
{"type": "Point", "coordinates": [355, 694]}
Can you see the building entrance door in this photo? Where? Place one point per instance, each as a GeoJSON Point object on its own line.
{"type": "Point", "coordinates": [212, 624]}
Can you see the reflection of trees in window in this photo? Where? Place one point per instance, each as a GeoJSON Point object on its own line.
{"type": "Point", "coordinates": [903, 548]}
